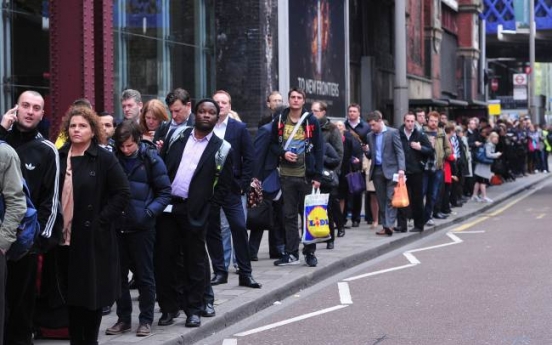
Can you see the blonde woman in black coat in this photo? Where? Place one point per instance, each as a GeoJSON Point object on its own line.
{"type": "Point", "coordinates": [94, 193]}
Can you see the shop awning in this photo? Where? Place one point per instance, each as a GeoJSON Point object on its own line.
{"type": "Point", "coordinates": [456, 103]}
{"type": "Point", "coordinates": [428, 102]}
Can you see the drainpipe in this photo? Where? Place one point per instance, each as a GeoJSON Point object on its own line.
{"type": "Point", "coordinates": [400, 91]}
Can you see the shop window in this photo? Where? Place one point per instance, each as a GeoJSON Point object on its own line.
{"type": "Point", "coordinates": [24, 49]}
{"type": "Point", "coordinates": [161, 45]}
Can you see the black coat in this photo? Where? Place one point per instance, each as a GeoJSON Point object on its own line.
{"type": "Point", "coordinates": [414, 159]}
{"type": "Point", "coordinates": [201, 193]}
{"type": "Point", "coordinates": [100, 194]}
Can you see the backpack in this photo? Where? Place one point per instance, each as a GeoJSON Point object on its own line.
{"type": "Point", "coordinates": [220, 158]}
{"type": "Point", "coordinates": [481, 156]}
{"type": "Point", "coordinates": [27, 231]}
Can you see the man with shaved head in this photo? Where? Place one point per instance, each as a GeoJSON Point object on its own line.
{"type": "Point", "coordinates": [40, 167]}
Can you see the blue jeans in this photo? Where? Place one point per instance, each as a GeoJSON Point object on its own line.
{"type": "Point", "coordinates": [227, 235]}
{"type": "Point", "coordinates": [432, 184]}
{"type": "Point", "coordinates": [136, 248]}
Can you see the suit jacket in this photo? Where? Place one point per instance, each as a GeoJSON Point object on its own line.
{"type": "Point", "coordinates": [201, 193]}
{"type": "Point", "coordinates": [163, 129]}
{"type": "Point", "coordinates": [392, 153]}
{"type": "Point", "coordinates": [242, 152]}
{"type": "Point", "coordinates": [266, 162]}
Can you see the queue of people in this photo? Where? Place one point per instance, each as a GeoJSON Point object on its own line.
{"type": "Point", "coordinates": [167, 197]}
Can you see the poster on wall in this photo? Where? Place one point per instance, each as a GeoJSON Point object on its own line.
{"type": "Point", "coordinates": [317, 51]}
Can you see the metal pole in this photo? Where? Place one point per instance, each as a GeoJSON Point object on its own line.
{"type": "Point", "coordinates": [483, 66]}
{"type": "Point", "coordinates": [400, 92]}
{"type": "Point", "coordinates": [532, 102]}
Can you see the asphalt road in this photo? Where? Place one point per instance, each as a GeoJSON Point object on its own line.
{"type": "Point", "coordinates": [486, 281]}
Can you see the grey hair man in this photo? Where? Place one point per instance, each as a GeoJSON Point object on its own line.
{"type": "Point", "coordinates": [131, 101]}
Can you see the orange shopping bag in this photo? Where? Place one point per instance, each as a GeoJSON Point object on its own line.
{"type": "Point", "coordinates": [400, 196]}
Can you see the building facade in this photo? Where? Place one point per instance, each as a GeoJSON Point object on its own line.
{"type": "Point", "coordinates": [339, 51]}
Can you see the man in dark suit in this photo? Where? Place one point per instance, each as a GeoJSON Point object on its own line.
{"type": "Point", "coordinates": [180, 106]}
{"type": "Point", "coordinates": [228, 227]}
{"type": "Point", "coordinates": [417, 149]}
{"type": "Point", "coordinates": [359, 129]}
{"type": "Point", "coordinates": [197, 183]}
{"type": "Point", "coordinates": [386, 152]}
{"type": "Point", "coordinates": [266, 166]}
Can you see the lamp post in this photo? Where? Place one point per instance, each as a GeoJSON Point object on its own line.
{"type": "Point", "coordinates": [531, 77]}
{"type": "Point", "coordinates": [400, 92]}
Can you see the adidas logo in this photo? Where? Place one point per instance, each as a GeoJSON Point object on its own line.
{"type": "Point", "coordinates": [30, 166]}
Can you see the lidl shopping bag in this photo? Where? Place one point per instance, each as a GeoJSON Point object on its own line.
{"type": "Point", "coordinates": [316, 226]}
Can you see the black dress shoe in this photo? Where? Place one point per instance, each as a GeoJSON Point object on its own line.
{"type": "Point", "coordinates": [167, 318]}
{"type": "Point", "coordinates": [416, 230]}
{"type": "Point", "coordinates": [249, 282]}
{"type": "Point", "coordinates": [440, 216]}
{"type": "Point", "coordinates": [254, 258]}
{"type": "Point", "coordinates": [193, 321]}
{"type": "Point", "coordinates": [209, 310]}
{"type": "Point", "coordinates": [400, 229]}
{"type": "Point", "coordinates": [219, 278]}
{"type": "Point", "coordinates": [341, 232]}
{"type": "Point", "coordinates": [330, 245]}
{"type": "Point", "coordinates": [106, 310]}
{"type": "Point", "coordinates": [385, 232]}
{"type": "Point", "coordinates": [356, 224]}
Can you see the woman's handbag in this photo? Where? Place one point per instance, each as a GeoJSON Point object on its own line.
{"type": "Point", "coordinates": [261, 216]}
{"type": "Point", "coordinates": [400, 197]}
{"type": "Point", "coordinates": [329, 179]}
{"type": "Point", "coordinates": [356, 182]}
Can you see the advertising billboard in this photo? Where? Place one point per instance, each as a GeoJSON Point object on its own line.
{"type": "Point", "coordinates": [317, 53]}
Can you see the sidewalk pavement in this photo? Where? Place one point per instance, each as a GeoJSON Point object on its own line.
{"type": "Point", "coordinates": [234, 303]}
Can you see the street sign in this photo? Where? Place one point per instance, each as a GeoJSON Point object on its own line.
{"type": "Point", "coordinates": [494, 84]}
{"type": "Point", "coordinates": [494, 107]}
{"type": "Point", "coordinates": [520, 93]}
{"type": "Point", "coordinates": [520, 79]}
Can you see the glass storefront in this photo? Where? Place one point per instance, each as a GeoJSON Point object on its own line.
{"type": "Point", "coordinates": [163, 44]}
{"type": "Point", "coordinates": [158, 45]}
{"type": "Point", "coordinates": [24, 49]}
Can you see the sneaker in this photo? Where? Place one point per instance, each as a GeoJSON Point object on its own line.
{"type": "Point", "coordinates": [475, 198]}
{"type": "Point", "coordinates": [536, 171]}
{"type": "Point", "coordinates": [143, 330]}
{"type": "Point", "coordinates": [485, 199]}
{"type": "Point", "coordinates": [545, 171]}
{"type": "Point", "coordinates": [287, 259]}
{"type": "Point", "coordinates": [119, 328]}
{"type": "Point", "coordinates": [430, 222]}
{"type": "Point", "coordinates": [311, 260]}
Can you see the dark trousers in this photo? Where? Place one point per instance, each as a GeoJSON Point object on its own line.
{"type": "Point", "coordinates": [233, 210]}
{"type": "Point", "coordinates": [445, 197]}
{"type": "Point", "coordinates": [368, 217]}
{"type": "Point", "coordinates": [276, 240]}
{"type": "Point", "coordinates": [332, 204]}
{"type": "Point", "coordinates": [3, 277]}
{"type": "Point", "coordinates": [431, 186]}
{"type": "Point", "coordinates": [84, 325]}
{"type": "Point", "coordinates": [20, 300]}
{"type": "Point", "coordinates": [414, 184]}
{"type": "Point", "coordinates": [136, 250]}
{"type": "Point", "coordinates": [356, 206]}
{"type": "Point", "coordinates": [294, 190]}
{"type": "Point", "coordinates": [180, 287]}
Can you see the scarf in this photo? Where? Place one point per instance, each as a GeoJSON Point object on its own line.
{"type": "Point", "coordinates": [67, 202]}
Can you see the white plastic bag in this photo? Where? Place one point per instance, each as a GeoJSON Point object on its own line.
{"type": "Point", "coordinates": [316, 226]}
